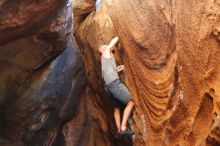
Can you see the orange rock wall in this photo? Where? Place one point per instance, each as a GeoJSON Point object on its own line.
{"type": "Point", "coordinates": [171, 54]}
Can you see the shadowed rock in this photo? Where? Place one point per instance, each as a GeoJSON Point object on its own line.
{"type": "Point", "coordinates": [42, 73]}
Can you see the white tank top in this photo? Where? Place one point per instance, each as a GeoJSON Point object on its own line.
{"type": "Point", "coordinates": [109, 70]}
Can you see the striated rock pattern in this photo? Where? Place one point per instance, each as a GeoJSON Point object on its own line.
{"type": "Point", "coordinates": [42, 75]}
{"type": "Point", "coordinates": [80, 10]}
{"type": "Point", "coordinates": [171, 54]}
{"type": "Point", "coordinates": [102, 129]}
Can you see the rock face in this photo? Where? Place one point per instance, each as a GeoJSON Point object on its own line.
{"type": "Point", "coordinates": [81, 9]}
{"type": "Point", "coordinates": [170, 51]}
{"type": "Point", "coordinates": [42, 75]}
{"type": "Point", "coordinates": [102, 127]}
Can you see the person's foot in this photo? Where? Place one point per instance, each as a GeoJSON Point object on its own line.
{"type": "Point", "coordinates": [119, 130]}
{"type": "Point", "coordinates": [126, 132]}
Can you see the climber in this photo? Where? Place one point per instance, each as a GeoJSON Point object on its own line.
{"type": "Point", "coordinates": [121, 97]}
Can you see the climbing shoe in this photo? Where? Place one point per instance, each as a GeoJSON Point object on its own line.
{"type": "Point", "coordinates": [126, 132]}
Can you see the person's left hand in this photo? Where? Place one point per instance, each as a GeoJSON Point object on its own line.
{"type": "Point", "coordinates": [113, 41]}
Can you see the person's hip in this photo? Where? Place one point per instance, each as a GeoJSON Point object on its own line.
{"type": "Point", "coordinates": [119, 91]}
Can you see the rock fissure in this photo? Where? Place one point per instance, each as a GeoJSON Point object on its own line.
{"type": "Point", "coordinates": [170, 61]}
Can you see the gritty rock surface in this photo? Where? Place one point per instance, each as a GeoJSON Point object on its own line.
{"type": "Point", "coordinates": [171, 54]}
{"type": "Point", "coordinates": [102, 129]}
{"type": "Point", "coordinates": [42, 74]}
{"type": "Point", "coordinates": [81, 8]}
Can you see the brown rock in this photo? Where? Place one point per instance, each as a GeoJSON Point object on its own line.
{"type": "Point", "coordinates": [42, 73]}
{"type": "Point", "coordinates": [81, 8]}
{"type": "Point", "coordinates": [170, 51]}
{"type": "Point", "coordinates": [89, 38]}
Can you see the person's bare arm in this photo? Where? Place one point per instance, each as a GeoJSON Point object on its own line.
{"type": "Point", "coordinates": [112, 44]}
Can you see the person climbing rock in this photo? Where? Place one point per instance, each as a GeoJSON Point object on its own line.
{"type": "Point", "coordinates": [121, 97]}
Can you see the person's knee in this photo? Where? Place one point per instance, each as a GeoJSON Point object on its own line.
{"type": "Point", "coordinates": [117, 109]}
{"type": "Point", "coordinates": [130, 102]}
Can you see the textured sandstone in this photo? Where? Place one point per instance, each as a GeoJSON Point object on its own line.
{"type": "Point", "coordinates": [80, 10]}
{"type": "Point", "coordinates": [171, 54]}
{"type": "Point", "coordinates": [97, 100]}
{"type": "Point", "coordinates": [42, 74]}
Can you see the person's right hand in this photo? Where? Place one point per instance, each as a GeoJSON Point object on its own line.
{"type": "Point", "coordinates": [120, 68]}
